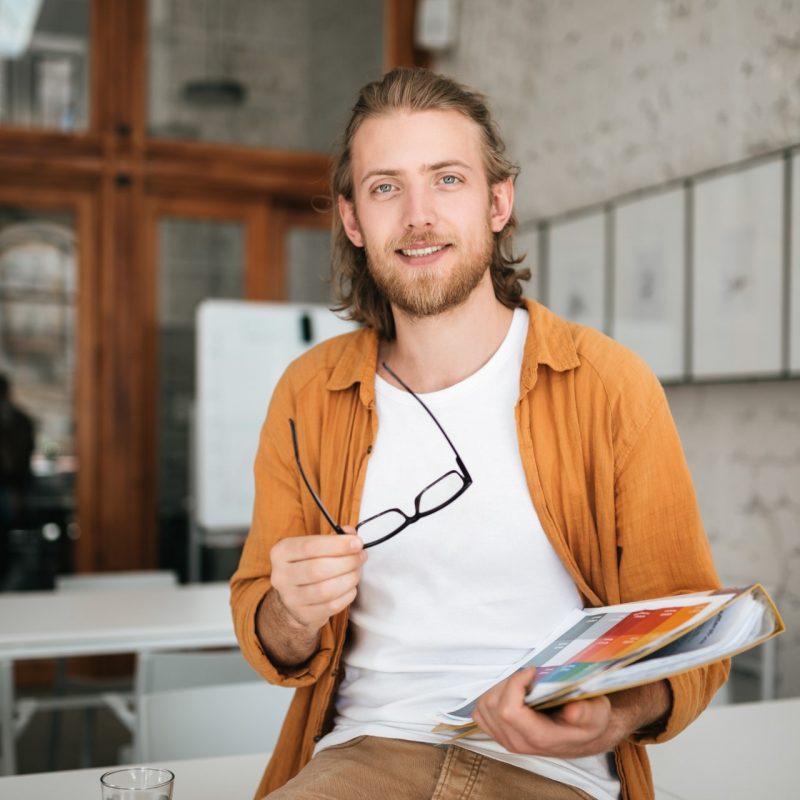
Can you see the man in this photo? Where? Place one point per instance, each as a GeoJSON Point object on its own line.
{"type": "Point", "coordinates": [534, 468]}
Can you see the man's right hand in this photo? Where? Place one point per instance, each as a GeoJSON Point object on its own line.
{"type": "Point", "coordinates": [316, 576]}
{"type": "Point", "coordinates": [313, 578]}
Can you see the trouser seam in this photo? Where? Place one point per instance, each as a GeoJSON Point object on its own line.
{"type": "Point", "coordinates": [445, 771]}
{"type": "Point", "coordinates": [477, 761]}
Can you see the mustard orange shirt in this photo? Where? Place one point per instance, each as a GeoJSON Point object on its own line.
{"type": "Point", "coordinates": [604, 467]}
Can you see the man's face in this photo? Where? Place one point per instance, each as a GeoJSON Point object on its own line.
{"type": "Point", "coordinates": [423, 209]}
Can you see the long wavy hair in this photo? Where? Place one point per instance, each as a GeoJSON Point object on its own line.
{"type": "Point", "coordinates": [413, 89]}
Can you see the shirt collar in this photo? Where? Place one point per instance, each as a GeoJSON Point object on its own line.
{"type": "Point", "coordinates": [549, 341]}
{"type": "Point", "coordinates": [358, 364]}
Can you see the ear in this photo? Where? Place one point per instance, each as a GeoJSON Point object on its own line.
{"type": "Point", "coordinates": [502, 198]}
{"type": "Point", "coordinates": [347, 212]}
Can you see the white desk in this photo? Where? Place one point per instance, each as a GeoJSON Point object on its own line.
{"type": "Point", "coordinates": [53, 624]}
{"type": "Point", "coordinates": [735, 752]}
{"type": "Point", "coordinates": [229, 777]}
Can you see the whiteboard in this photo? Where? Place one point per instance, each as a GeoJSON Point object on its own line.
{"type": "Point", "coordinates": [242, 350]}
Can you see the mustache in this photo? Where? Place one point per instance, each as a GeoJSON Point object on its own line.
{"type": "Point", "coordinates": [427, 239]}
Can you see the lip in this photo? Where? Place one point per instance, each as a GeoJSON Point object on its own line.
{"type": "Point", "coordinates": [423, 261]}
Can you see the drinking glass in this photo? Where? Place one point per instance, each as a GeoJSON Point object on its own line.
{"type": "Point", "coordinates": [137, 783]}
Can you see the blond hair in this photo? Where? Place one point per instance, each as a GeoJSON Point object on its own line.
{"type": "Point", "coordinates": [413, 89]}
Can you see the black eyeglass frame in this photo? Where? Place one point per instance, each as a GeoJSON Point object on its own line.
{"type": "Point", "coordinates": [466, 479]}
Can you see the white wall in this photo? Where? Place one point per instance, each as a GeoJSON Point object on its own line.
{"type": "Point", "coordinates": [600, 97]}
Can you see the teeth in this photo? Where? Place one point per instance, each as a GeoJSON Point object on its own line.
{"type": "Point", "coordinates": [423, 251]}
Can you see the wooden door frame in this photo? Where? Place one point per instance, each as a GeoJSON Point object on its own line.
{"type": "Point", "coordinates": [254, 215]}
{"type": "Point", "coordinates": [83, 204]}
{"type": "Point", "coordinates": [283, 220]}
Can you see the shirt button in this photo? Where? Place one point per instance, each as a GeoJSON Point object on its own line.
{"type": "Point", "coordinates": [369, 449]}
{"type": "Point", "coordinates": [334, 673]}
{"type": "Point", "coordinates": [317, 738]}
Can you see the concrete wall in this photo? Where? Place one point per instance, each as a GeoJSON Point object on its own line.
{"type": "Point", "coordinates": [598, 98]}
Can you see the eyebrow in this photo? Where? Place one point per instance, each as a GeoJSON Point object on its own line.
{"type": "Point", "coordinates": [393, 173]}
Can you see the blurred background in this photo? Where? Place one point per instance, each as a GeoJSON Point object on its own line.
{"type": "Point", "coordinates": [155, 153]}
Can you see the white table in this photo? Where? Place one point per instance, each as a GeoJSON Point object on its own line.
{"type": "Point", "coordinates": [736, 752]}
{"type": "Point", "coordinates": [54, 624]}
{"type": "Point", "coordinates": [229, 777]}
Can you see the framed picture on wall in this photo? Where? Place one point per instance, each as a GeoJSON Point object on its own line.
{"type": "Point", "coordinates": [737, 274]}
{"type": "Point", "coordinates": [650, 279]}
{"type": "Point", "coordinates": [794, 269]}
{"type": "Point", "coordinates": [576, 275]}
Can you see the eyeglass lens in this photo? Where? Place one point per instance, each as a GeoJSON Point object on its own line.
{"type": "Point", "coordinates": [429, 500]}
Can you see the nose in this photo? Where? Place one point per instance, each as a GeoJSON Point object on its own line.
{"type": "Point", "coordinates": [420, 208]}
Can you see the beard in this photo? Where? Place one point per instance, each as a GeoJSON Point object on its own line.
{"type": "Point", "coordinates": [428, 291]}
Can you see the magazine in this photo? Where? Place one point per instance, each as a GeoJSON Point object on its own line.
{"type": "Point", "coordinates": [596, 651]}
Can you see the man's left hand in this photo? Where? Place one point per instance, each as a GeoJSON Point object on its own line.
{"type": "Point", "coordinates": [580, 728]}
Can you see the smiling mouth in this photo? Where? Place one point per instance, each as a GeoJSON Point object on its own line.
{"type": "Point", "coordinates": [418, 252]}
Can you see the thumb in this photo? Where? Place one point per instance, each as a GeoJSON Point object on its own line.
{"type": "Point", "coordinates": [525, 678]}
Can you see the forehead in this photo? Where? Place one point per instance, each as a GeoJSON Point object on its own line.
{"type": "Point", "coordinates": [410, 140]}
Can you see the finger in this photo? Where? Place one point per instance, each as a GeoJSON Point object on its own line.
{"type": "Point", "coordinates": [484, 722]}
{"type": "Point", "coordinates": [572, 714]}
{"type": "Point", "coordinates": [316, 593]}
{"type": "Point", "coordinates": [313, 594]}
{"type": "Point", "coordinates": [522, 680]}
{"type": "Point", "coordinates": [319, 570]}
{"type": "Point", "coordinates": [518, 683]}
{"type": "Point", "coordinates": [497, 709]}
{"type": "Point", "coordinates": [505, 716]}
{"type": "Point", "coordinates": [490, 703]}
{"type": "Point", "coordinates": [589, 716]}
{"type": "Point", "coordinates": [509, 700]}
{"type": "Point", "coordinates": [500, 731]}
{"type": "Point", "coordinates": [300, 548]}
{"type": "Point", "coordinates": [336, 604]}
{"type": "Point", "coordinates": [317, 614]}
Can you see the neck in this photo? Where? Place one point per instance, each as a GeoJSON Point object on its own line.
{"type": "Point", "coordinates": [432, 353]}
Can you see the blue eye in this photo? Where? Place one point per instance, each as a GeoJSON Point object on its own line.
{"type": "Point", "coordinates": [450, 180]}
{"type": "Point", "coordinates": [383, 188]}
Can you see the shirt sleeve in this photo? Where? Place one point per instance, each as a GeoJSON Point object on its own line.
{"type": "Point", "coordinates": [277, 513]}
{"type": "Point", "coordinates": [662, 547]}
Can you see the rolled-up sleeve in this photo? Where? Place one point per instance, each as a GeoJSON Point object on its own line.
{"type": "Point", "coordinates": [663, 549]}
{"type": "Point", "coordinates": [277, 513]}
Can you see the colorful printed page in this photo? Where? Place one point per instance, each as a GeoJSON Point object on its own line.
{"type": "Point", "coordinates": [596, 641]}
{"type": "Point", "coordinates": [738, 626]}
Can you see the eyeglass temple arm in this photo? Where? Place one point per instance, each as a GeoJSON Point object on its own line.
{"type": "Point", "coordinates": [320, 506]}
{"type": "Point", "coordinates": [430, 414]}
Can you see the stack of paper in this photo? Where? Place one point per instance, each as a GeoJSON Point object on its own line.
{"type": "Point", "coordinates": [600, 650]}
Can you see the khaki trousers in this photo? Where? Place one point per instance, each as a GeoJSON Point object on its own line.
{"type": "Point", "coordinates": [372, 768]}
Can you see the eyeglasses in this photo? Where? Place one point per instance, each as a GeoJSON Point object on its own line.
{"type": "Point", "coordinates": [434, 497]}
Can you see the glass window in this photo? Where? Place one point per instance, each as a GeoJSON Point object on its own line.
{"type": "Point", "coordinates": [280, 74]}
{"type": "Point", "coordinates": [38, 303]}
{"type": "Point", "coordinates": [44, 64]}
{"type": "Point", "coordinates": [197, 259]}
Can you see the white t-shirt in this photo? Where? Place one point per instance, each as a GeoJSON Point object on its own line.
{"type": "Point", "coordinates": [454, 599]}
